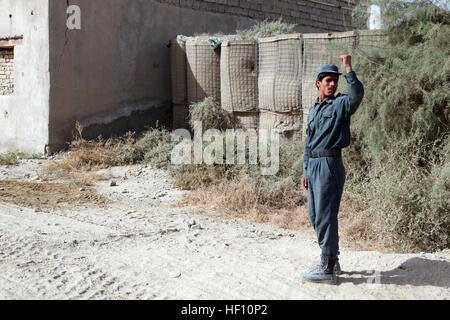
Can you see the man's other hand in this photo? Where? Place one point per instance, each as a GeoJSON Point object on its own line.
{"type": "Point", "coordinates": [305, 183]}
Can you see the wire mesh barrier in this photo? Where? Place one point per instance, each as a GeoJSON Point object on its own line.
{"type": "Point", "coordinates": [280, 71]}
{"type": "Point", "coordinates": [178, 71]}
{"type": "Point", "coordinates": [203, 71]}
{"type": "Point", "coordinates": [180, 108]}
{"type": "Point", "coordinates": [289, 124]}
{"type": "Point", "coordinates": [367, 39]}
{"type": "Point", "coordinates": [268, 85]}
{"type": "Point", "coordinates": [245, 120]}
{"type": "Point", "coordinates": [238, 76]}
{"type": "Point", "coordinates": [180, 116]}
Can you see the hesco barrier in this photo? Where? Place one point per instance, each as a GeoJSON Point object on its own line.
{"type": "Point", "coordinates": [203, 71]}
{"type": "Point", "coordinates": [319, 49]}
{"type": "Point", "coordinates": [245, 120]}
{"type": "Point", "coordinates": [282, 90]}
{"type": "Point", "coordinates": [289, 124]}
{"type": "Point", "coordinates": [280, 73]}
{"type": "Point", "coordinates": [371, 39]}
{"type": "Point", "coordinates": [180, 109]}
{"type": "Point", "coordinates": [238, 76]}
{"type": "Point", "coordinates": [180, 118]}
{"type": "Point", "coordinates": [178, 71]}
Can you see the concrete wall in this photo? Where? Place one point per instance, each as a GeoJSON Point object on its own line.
{"type": "Point", "coordinates": [24, 113]}
{"type": "Point", "coordinates": [113, 75]}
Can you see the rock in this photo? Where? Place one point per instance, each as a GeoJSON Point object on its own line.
{"type": "Point", "coordinates": [191, 223]}
{"type": "Point", "coordinates": [113, 183]}
{"type": "Point", "coordinates": [175, 274]}
{"type": "Point", "coordinates": [2, 189]}
{"type": "Point", "coordinates": [82, 189]}
{"type": "Point", "coordinates": [196, 227]}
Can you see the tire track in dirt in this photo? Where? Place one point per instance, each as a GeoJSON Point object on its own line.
{"type": "Point", "coordinates": [138, 247]}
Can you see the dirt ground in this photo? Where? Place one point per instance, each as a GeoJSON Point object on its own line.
{"type": "Point", "coordinates": [136, 241]}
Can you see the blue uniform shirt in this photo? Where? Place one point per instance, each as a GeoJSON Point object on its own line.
{"type": "Point", "coordinates": [329, 121]}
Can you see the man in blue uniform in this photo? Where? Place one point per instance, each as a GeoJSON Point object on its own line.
{"type": "Point", "coordinates": [328, 131]}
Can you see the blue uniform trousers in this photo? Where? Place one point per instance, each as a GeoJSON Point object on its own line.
{"type": "Point", "coordinates": [326, 178]}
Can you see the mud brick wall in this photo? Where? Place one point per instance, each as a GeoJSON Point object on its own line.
{"type": "Point", "coordinates": [310, 16]}
{"type": "Point", "coordinates": [6, 71]}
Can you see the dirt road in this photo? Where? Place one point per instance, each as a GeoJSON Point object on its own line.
{"type": "Point", "coordinates": [139, 244]}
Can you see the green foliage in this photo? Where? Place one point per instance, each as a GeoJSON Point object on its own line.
{"type": "Point", "coordinates": [11, 158]}
{"type": "Point", "coordinates": [265, 29]}
{"type": "Point", "coordinates": [156, 146]}
{"type": "Point", "coordinates": [275, 191]}
{"type": "Point", "coordinates": [399, 157]}
{"type": "Point", "coordinates": [210, 114]}
{"type": "Point", "coordinates": [360, 14]}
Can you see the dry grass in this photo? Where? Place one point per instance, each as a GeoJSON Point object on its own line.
{"type": "Point", "coordinates": [49, 195]}
{"type": "Point", "coordinates": [9, 158]}
{"type": "Point", "coordinates": [243, 200]}
{"type": "Point", "coordinates": [239, 191]}
{"type": "Point", "coordinates": [79, 165]}
{"type": "Point", "coordinates": [13, 158]}
{"type": "Point", "coordinates": [64, 171]}
{"type": "Point", "coordinates": [85, 157]}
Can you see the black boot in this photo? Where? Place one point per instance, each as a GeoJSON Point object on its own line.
{"type": "Point", "coordinates": [325, 273]}
{"type": "Point", "coordinates": [337, 267]}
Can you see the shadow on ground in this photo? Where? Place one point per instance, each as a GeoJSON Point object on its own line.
{"type": "Point", "coordinates": [414, 271]}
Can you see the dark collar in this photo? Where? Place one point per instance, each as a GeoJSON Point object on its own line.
{"type": "Point", "coordinates": [328, 99]}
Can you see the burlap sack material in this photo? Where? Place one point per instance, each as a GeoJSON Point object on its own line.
{"type": "Point", "coordinates": [245, 120]}
{"type": "Point", "coordinates": [180, 116]}
{"type": "Point", "coordinates": [238, 76]}
{"type": "Point", "coordinates": [178, 71]}
{"type": "Point", "coordinates": [367, 39]}
{"type": "Point", "coordinates": [280, 73]}
{"type": "Point", "coordinates": [288, 123]}
{"type": "Point", "coordinates": [203, 71]}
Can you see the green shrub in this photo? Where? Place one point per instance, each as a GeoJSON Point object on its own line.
{"type": "Point", "coordinates": [9, 158]}
{"type": "Point", "coordinates": [399, 157]}
{"type": "Point", "coordinates": [265, 29]}
{"type": "Point", "coordinates": [210, 114]}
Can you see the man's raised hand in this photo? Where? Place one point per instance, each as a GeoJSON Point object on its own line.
{"type": "Point", "coordinates": [347, 61]}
